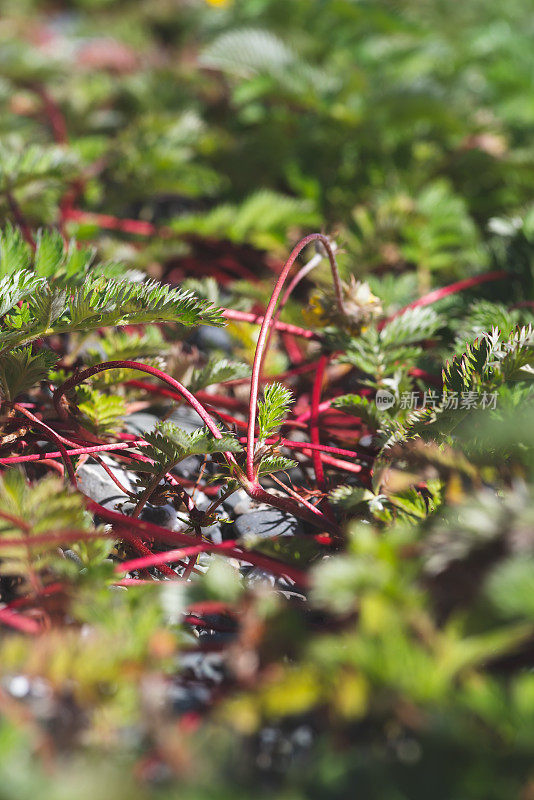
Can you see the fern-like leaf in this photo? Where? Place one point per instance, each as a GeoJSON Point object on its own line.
{"type": "Point", "coordinates": [168, 445]}
{"type": "Point", "coordinates": [218, 372]}
{"type": "Point", "coordinates": [270, 464]}
{"type": "Point", "coordinates": [28, 511]}
{"type": "Point", "coordinates": [102, 411]}
{"type": "Point", "coordinates": [460, 373]}
{"type": "Point", "coordinates": [360, 407]}
{"type": "Point", "coordinates": [21, 369]}
{"type": "Point", "coordinates": [64, 298]}
{"type": "Point", "coordinates": [16, 287]}
{"type": "Point", "coordinates": [414, 325]}
{"type": "Point", "coordinates": [273, 409]}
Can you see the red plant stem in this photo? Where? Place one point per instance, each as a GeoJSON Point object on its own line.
{"type": "Point", "coordinates": [257, 319]}
{"type": "Point", "coordinates": [207, 399]}
{"type": "Point", "coordinates": [135, 541]}
{"type": "Point", "coordinates": [54, 115]}
{"type": "Point", "coordinates": [135, 226]}
{"type": "Point", "coordinates": [209, 607]}
{"type": "Point", "coordinates": [305, 416]}
{"type": "Point", "coordinates": [303, 271]}
{"type": "Point", "coordinates": [283, 376]}
{"type": "Point", "coordinates": [415, 372]}
{"type": "Point", "coordinates": [252, 488]}
{"type": "Point", "coordinates": [147, 553]}
{"type": "Point", "coordinates": [156, 559]}
{"type": "Point", "coordinates": [346, 466]}
{"type": "Point", "coordinates": [445, 291]}
{"type": "Point", "coordinates": [225, 402]}
{"type": "Point", "coordinates": [289, 423]}
{"type": "Point", "coordinates": [28, 600]}
{"type": "Point", "coordinates": [80, 377]}
{"type": "Point", "coordinates": [19, 622]}
{"type": "Point", "coordinates": [299, 276]}
{"type": "Point", "coordinates": [227, 417]}
{"type": "Point", "coordinates": [79, 451]}
{"type": "Point", "coordinates": [111, 474]}
{"type": "Point", "coordinates": [293, 349]}
{"type": "Point", "coordinates": [228, 548]}
{"type": "Point", "coordinates": [53, 436]}
{"type": "Point", "coordinates": [189, 568]}
{"type": "Point", "coordinates": [55, 465]}
{"type": "Point", "coordinates": [294, 494]}
{"type": "Point", "coordinates": [20, 220]}
{"type": "Point", "coordinates": [314, 422]}
{"type": "Point", "coordinates": [310, 446]}
{"type": "Point", "coordinates": [231, 403]}
{"type": "Point", "coordinates": [151, 531]}
{"type": "Point", "coordinates": [260, 347]}
{"type": "Point", "coordinates": [140, 527]}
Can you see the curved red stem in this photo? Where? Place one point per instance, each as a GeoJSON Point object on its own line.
{"type": "Point", "coordinates": [260, 347]}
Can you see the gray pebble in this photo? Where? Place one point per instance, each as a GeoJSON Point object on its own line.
{"type": "Point", "coordinates": [72, 556]}
{"type": "Point", "coordinates": [94, 482]}
{"type": "Point", "coordinates": [189, 468]}
{"type": "Point", "coordinates": [214, 532]}
{"type": "Point", "coordinates": [238, 503]}
{"type": "Point", "coordinates": [266, 525]}
{"type": "Point", "coordinates": [140, 422]}
{"type": "Point", "coordinates": [208, 337]}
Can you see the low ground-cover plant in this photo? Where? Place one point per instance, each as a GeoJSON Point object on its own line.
{"type": "Point", "coordinates": [266, 524]}
{"type": "Point", "coordinates": [409, 541]}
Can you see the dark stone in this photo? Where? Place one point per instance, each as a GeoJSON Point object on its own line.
{"type": "Point", "coordinates": [165, 516]}
{"type": "Point", "coordinates": [140, 422]}
{"type": "Point", "coordinates": [215, 637]}
{"type": "Point", "coordinates": [189, 468]}
{"type": "Point", "coordinates": [186, 418]}
{"type": "Point", "coordinates": [266, 525]}
{"type": "Point", "coordinates": [188, 698]}
{"type": "Point", "coordinates": [208, 337]}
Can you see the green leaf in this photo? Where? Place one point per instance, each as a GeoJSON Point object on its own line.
{"type": "Point", "coordinates": [360, 407]}
{"type": "Point", "coordinates": [21, 369]}
{"type": "Point", "coordinates": [270, 464]}
{"type": "Point", "coordinates": [218, 372]}
{"type": "Point", "coordinates": [15, 253]}
{"type": "Point", "coordinates": [273, 409]}
{"type": "Point", "coordinates": [16, 287]}
{"type": "Point", "coordinates": [460, 373]}
{"type": "Point", "coordinates": [414, 325]}
{"type": "Point", "coordinates": [26, 511]}
{"type": "Point", "coordinates": [103, 411]}
{"type": "Point", "coordinates": [169, 444]}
